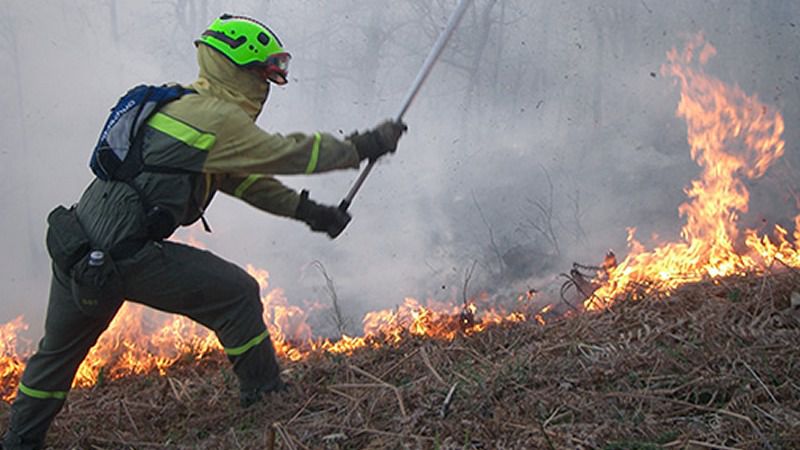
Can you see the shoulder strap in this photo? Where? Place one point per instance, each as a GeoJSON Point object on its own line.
{"type": "Point", "coordinates": [134, 163]}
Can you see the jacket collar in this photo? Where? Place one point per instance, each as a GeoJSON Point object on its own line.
{"type": "Point", "coordinates": [219, 77]}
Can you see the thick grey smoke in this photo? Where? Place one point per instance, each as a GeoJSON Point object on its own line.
{"type": "Point", "coordinates": [544, 132]}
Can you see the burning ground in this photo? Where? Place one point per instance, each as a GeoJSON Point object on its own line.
{"type": "Point", "coordinates": [692, 343]}
{"type": "Point", "coordinates": [714, 366]}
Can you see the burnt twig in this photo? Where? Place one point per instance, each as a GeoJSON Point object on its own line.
{"type": "Point", "coordinates": [447, 400]}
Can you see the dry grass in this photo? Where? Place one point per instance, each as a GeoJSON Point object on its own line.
{"type": "Point", "coordinates": [714, 366]}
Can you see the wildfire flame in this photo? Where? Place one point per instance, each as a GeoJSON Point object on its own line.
{"type": "Point", "coordinates": [10, 363]}
{"type": "Point", "coordinates": [140, 340]}
{"type": "Point", "coordinates": [731, 136]}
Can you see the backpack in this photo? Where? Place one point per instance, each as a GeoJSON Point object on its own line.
{"type": "Point", "coordinates": [117, 155]}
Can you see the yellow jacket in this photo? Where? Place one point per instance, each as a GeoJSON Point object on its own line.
{"type": "Point", "coordinates": [211, 137]}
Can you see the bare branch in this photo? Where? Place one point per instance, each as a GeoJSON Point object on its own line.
{"type": "Point", "coordinates": [467, 277]}
{"type": "Point", "coordinates": [492, 242]}
{"type": "Point", "coordinates": [336, 315]}
{"type": "Point", "coordinates": [543, 223]}
{"type": "Point", "coordinates": [577, 215]}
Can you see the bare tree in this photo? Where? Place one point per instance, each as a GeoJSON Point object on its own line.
{"type": "Point", "coordinates": [476, 51]}
{"type": "Point", "coordinates": [350, 54]}
{"type": "Point", "coordinates": [185, 18]}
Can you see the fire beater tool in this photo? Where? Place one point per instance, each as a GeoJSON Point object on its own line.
{"type": "Point", "coordinates": [433, 56]}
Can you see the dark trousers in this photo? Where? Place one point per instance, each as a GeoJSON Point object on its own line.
{"type": "Point", "coordinates": [167, 276]}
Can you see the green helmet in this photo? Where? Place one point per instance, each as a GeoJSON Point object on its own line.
{"type": "Point", "coordinates": [248, 43]}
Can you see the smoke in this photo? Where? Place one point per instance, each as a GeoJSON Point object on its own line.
{"type": "Point", "coordinates": [545, 131]}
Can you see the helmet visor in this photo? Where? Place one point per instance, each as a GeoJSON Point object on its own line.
{"type": "Point", "coordinates": [276, 68]}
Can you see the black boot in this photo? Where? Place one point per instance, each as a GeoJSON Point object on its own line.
{"type": "Point", "coordinates": [250, 397]}
{"type": "Point", "coordinates": [13, 441]}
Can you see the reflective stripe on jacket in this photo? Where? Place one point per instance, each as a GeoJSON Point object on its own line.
{"type": "Point", "coordinates": [212, 136]}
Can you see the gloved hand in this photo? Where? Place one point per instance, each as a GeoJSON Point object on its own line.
{"type": "Point", "coordinates": [378, 141]}
{"type": "Point", "coordinates": [329, 219]}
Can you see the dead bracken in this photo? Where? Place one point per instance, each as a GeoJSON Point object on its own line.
{"type": "Point", "coordinates": [713, 366]}
{"type": "Point", "coordinates": [692, 344]}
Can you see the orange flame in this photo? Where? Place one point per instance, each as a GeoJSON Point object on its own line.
{"type": "Point", "coordinates": [11, 363]}
{"type": "Point", "coordinates": [140, 340]}
{"type": "Point", "coordinates": [731, 135]}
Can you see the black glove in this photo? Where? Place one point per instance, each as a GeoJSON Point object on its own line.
{"type": "Point", "coordinates": [378, 141]}
{"type": "Point", "coordinates": [329, 219]}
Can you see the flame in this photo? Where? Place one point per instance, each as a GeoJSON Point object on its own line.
{"type": "Point", "coordinates": [140, 340]}
{"type": "Point", "coordinates": [11, 363]}
{"type": "Point", "coordinates": [732, 136]}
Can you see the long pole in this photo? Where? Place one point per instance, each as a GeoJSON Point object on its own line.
{"type": "Point", "coordinates": [422, 75]}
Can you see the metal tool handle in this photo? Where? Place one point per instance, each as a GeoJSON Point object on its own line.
{"type": "Point", "coordinates": [422, 75]}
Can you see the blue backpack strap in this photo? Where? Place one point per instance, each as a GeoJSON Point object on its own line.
{"type": "Point", "coordinates": [145, 98]}
{"type": "Point", "coordinates": [114, 157]}
{"type": "Point", "coordinates": [118, 153]}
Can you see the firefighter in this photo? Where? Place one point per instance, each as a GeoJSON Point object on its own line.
{"type": "Point", "coordinates": [210, 140]}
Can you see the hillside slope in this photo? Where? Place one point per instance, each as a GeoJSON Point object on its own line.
{"type": "Point", "coordinates": [717, 365]}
